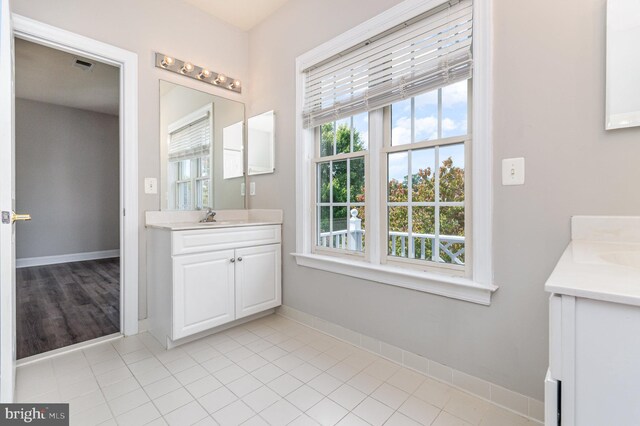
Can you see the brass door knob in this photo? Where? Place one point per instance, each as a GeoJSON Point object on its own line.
{"type": "Point", "coordinates": [10, 217]}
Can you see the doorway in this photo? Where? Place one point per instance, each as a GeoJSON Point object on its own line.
{"type": "Point", "coordinates": [127, 61]}
{"type": "Point", "coordinates": [68, 177]}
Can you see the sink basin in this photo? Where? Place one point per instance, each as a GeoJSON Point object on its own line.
{"type": "Point", "coordinates": [624, 258]}
{"type": "Point", "coordinates": [216, 223]}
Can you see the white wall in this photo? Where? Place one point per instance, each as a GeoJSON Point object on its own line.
{"type": "Point", "coordinates": [145, 26]}
{"type": "Point", "coordinates": [549, 108]}
{"type": "Point", "coordinates": [67, 178]}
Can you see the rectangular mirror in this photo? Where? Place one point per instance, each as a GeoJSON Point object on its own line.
{"type": "Point", "coordinates": [201, 150]}
{"type": "Point", "coordinates": [261, 144]}
{"type": "Point", "coordinates": [623, 64]}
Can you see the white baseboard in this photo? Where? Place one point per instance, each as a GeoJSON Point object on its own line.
{"type": "Point", "coordinates": [510, 400]}
{"type": "Point", "coordinates": [66, 258]}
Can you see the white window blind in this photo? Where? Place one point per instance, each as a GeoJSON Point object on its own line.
{"type": "Point", "coordinates": [191, 140]}
{"type": "Point", "coordinates": [430, 51]}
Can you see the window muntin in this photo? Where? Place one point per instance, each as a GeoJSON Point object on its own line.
{"type": "Point", "coordinates": [340, 174]}
{"type": "Point", "coordinates": [426, 176]}
{"type": "Point", "coordinates": [193, 184]}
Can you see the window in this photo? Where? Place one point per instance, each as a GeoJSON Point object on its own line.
{"type": "Point", "coordinates": [385, 134]}
{"type": "Point", "coordinates": [190, 161]}
{"type": "Point", "coordinates": [340, 182]}
{"type": "Point", "coordinates": [425, 197]}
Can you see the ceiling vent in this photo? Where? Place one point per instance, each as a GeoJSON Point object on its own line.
{"type": "Point", "coordinates": [83, 64]}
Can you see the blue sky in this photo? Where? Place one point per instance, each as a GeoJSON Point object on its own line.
{"type": "Point", "coordinates": [454, 123]}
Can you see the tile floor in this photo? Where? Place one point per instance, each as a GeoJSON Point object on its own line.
{"type": "Point", "coordinates": [272, 371]}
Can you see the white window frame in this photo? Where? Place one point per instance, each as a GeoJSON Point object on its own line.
{"type": "Point", "coordinates": [478, 286]}
{"type": "Point", "coordinates": [188, 119]}
{"type": "Point", "coordinates": [315, 161]}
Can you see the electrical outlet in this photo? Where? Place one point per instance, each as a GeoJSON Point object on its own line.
{"type": "Point", "coordinates": [513, 171]}
{"type": "Point", "coordinates": [252, 188]}
{"type": "Point", "coordinates": [150, 185]}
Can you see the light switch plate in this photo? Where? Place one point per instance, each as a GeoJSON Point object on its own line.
{"type": "Point", "coordinates": [252, 188]}
{"type": "Point", "coordinates": [150, 185]}
{"type": "Point", "coordinates": [513, 171]}
{"type": "Point", "coordinates": [242, 188]}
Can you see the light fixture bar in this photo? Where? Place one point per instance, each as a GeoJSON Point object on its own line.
{"type": "Point", "coordinates": [188, 69]}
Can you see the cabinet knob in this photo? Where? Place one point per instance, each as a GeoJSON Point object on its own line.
{"type": "Point", "coordinates": [239, 259]}
{"type": "Point", "coordinates": [232, 260]}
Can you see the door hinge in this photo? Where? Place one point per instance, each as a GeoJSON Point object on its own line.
{"type": "Point", "coordinates": [124, 212]}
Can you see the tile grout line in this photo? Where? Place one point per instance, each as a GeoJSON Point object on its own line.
{"type": "Point", "coordinates": [284, 337]}
{"type": "Point", "coordinates": [283, 311]}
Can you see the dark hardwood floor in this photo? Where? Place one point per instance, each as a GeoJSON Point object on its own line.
{"type": "Point", "coordinates": [59, 305]}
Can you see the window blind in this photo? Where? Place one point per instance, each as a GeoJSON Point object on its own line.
{"type": "Point", "coordinates": [192, 140]}
{"type": "Point", "coordinates": [430, 51]}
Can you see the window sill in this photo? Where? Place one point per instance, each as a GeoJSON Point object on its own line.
{"type": "Point", "coordinates": [428, 282]}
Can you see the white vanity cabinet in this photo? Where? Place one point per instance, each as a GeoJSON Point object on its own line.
{"type": "Point", "coordinates": [200, 279]}
{"type": "Point", "coordinates": [594, 326]}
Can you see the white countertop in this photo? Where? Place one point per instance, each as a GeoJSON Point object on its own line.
{"type": "Point", "coordinates": [186, 226]}
{"type": "Point", "coordinates": [190, 220]}
{"type": "Point", "coordinates": [598, 269]}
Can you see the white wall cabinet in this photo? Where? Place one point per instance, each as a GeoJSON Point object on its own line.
{"type": "Point", "coordinates": [203, 279]}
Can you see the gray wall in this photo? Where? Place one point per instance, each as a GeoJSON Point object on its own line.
{"type": "Point", "coordinates": [144, 27]}
{"type": "Point", "coordinates": [549, 108]}
{"type": "Point", "coordinates": [67, 178]}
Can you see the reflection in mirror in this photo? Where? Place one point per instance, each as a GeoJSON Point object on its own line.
{"type": "Point", "coordinates": [261, 144]}
{"type": "Point", "coordinates": [201, 149]}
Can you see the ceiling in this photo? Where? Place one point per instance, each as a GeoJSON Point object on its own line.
{"type": "Point", "coordinates": [244, 14]}
{"type": "Point", "coordinates": [47, 75]}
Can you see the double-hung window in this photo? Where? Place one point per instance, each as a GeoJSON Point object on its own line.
{"type": "Point", "coordinates": [385, 137]}
{"type": "Point", "coordinates": [189, 168]}
{"type": "Point", "coordinates": [340, 181]}
{"type": "Point", "coordinates": [425, 180]}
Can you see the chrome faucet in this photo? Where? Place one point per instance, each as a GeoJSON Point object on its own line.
{"type": "Point", "coordinates": [210, 216]}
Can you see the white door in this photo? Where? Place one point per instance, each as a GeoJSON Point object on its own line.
{"type": "Point", "coordinates": [203, 291]}
{"type": "Point", "coordinates": [7, 191]}
{"type": "Point", "coordinates": [257, 279]}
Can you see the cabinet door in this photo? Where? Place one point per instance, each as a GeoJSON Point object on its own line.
{"type": "Point", "coordinates": [258, 286]}
{"type": "Point", "coordinates": [203, 292]}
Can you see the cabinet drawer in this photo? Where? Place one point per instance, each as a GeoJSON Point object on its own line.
{"type": "Point", "coordinates": [196, 241]}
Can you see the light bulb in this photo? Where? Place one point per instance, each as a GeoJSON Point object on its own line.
{"type": "Point", "coordinates": [220, 79]}
{"type": "Point", "coordinates": [187, 67]}
{"type": "Point", "coordinates": [205, 73]}
{"type": "Point", "coordinates": [235, 84]}
{"type": "Point", "coordinates": [167, 61]}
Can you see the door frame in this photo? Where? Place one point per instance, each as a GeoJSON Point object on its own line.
{"type": "Point", "coordinates": [47, 35]}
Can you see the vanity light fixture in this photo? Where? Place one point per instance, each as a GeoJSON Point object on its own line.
{"type": "Point", "coordinates": [167, 61]}
{"type": "Point", "coordinates": [188, 69]}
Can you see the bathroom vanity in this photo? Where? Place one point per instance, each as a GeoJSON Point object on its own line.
{"type": "Point", "coordinates": [594, 326]}
{"type": "Point", "coordinates": [205, 276]}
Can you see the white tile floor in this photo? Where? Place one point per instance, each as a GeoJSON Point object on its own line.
{"type": "Point", "coordinates": [271, 371]}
